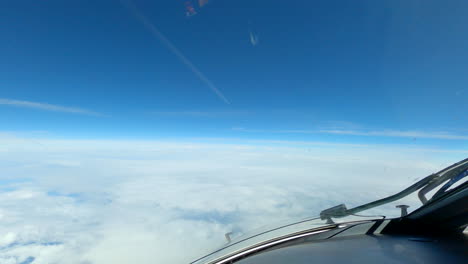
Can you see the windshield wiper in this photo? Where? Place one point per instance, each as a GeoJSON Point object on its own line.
{"type": "Point", "coordinates": [453, 173]}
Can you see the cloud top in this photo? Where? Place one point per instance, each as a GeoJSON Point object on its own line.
{"type": "Point", "coordinates": [109, 201]}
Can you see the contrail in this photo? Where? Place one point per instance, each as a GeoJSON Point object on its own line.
{"type": "Point", "coordinates": [153, 29]}
{"type": "Point", "coordinates": [48, 107]}
{"type": "Point", "coordinates": [253, 38]}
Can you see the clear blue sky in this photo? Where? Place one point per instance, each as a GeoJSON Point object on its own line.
{"type": "Point", "coordinates": [345, 71]}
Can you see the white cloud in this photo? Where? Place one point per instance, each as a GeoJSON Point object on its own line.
{"type": "Point", "coordinates": [47, 107]}
{"type": "Point", "coordinates": [105, 201]}
{"type": "Point", "coordinates": [396, 133]}
{"type": "Point", "coordinates": [376, 133]}
{"type": "Point", "coordinates": [200, 113]}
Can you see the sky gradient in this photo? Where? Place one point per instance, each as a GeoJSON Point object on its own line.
{"type": "Point", "coordinates": [381, 72]}
{"type": "Point", "coordinates": [101, 201]}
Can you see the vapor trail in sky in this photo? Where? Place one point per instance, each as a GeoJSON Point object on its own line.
{"type": "Point", "coordinates": [47, 107]}
{"type": "Point", "coordinates": [155, 31]}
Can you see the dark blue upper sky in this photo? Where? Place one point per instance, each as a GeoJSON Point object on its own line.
{"type": "Point", "coordinates": [347, 71]}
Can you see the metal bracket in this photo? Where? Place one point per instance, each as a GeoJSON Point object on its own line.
{"type": "Point", "coordinates": [404, 209]}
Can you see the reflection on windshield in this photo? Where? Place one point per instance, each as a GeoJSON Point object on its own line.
{"type": "Point", "coordinates": [261, 235]}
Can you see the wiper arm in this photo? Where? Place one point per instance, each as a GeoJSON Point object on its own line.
{"type": "Point", "coordinates": [426, 184]}
{"type": "Point", "coordinates": [454, 174]}
{"type": "Point", "coordinates": [452, 181]}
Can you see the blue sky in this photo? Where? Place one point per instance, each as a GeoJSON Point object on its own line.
{"type": "Point", "coordinates": [335, 71]}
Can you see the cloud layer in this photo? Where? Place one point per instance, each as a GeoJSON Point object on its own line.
{"type": "Point", "coordinates": [72, 201]}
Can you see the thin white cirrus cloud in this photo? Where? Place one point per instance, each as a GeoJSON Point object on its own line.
{"type": "Point", "coordinates": [204, 114]}
{"type": "Point", "coordinates": [108, 201]}
{"type": "Point", "coordinates": [47, 107]}
{"type": "Point", "coordinates": [367, 133]}
{"type": "Point", "coordinates": [398, 133]}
